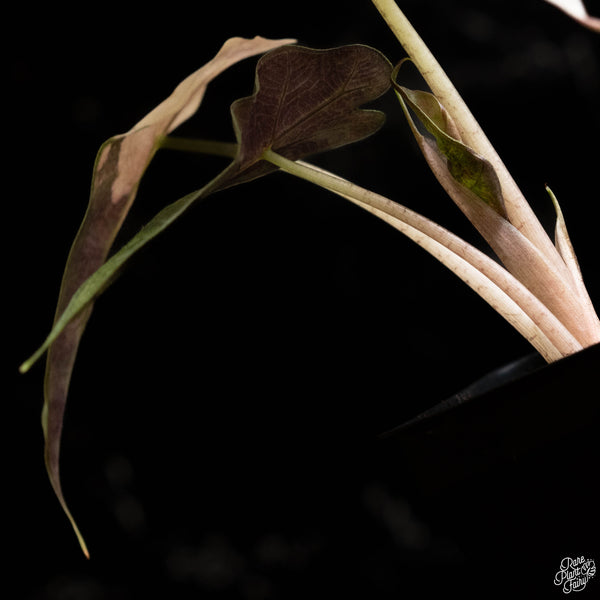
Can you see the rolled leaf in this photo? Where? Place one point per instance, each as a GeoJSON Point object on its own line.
{"type": "Point", "coordinates": [122, 161]}
{"type": "Point", "coordinates": [469, 181]}
{"type": "Point", "coordinates": [464, 164]}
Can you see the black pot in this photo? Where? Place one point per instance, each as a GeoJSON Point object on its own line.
{"type": "Point", "coordinates": [510, 412]}
{"type": "Point", "coordinates": [506, 470]}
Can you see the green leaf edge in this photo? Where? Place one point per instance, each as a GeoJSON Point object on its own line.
{"type": "Point", "coordinates": [96, 283]}
{"type": "Point", "coordinates": [456, 152]}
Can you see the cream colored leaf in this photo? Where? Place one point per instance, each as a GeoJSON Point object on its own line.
{"type": "Point", "coordinates": [577, 10]}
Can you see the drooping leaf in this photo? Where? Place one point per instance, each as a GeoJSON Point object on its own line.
{"type": "Point", "coordinates": [576, 10]}
{"type": "Point", "coordinates": [98, 281]}
{"type": "Point", "coordinates": [307, 101]}
{"type": "Point", "coordinates": [122, 161]}
{"type": "Point", "coordinates": [369, 78]}
{"type": "Point", "coordinates": [119, 166]}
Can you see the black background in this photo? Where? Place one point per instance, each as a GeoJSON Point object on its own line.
{"type": "Point", "coordinates": [219, 435]}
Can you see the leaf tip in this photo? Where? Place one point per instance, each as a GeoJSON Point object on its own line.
{"type": "Point", "coordinates": [84, 549]}
{"type": "Point", "coordinates": [552, 197]}
{"type": "Point", "coordinates": [80, 539]}
{"type": "Point", "coordinates": [25, 366]}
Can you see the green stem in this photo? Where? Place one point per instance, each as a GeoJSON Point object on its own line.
{"type": "Point", "coordinates": [225, 149]}
{"type": "Point", "coordinates": [96, 283]}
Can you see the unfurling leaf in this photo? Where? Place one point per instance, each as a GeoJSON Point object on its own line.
{"type": "Point", "coordinates": [119, 166]}
{"type": "Point", "coordinates": [466, 166]}
{"type": "Point", "coordinates": [307, 101]}
{"type": "Point", "coordinates": [472, 184]}
{"type": "Point", "coordinates": [576, 10]}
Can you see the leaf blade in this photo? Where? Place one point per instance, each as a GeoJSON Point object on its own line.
{"type": "Point", "coordinates": [307, 101]}
{"type": "Point", "coordinates": [119, 166]}
{"type": "Point", "coordinates": [467, 167]}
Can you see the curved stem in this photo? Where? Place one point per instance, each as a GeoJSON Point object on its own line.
{"type": "Point", "coordinates": [485, 276]}
{"type": "Point", "coordinates": [225, 149]}
{"type": "Point", "coordinates": [519, 212]}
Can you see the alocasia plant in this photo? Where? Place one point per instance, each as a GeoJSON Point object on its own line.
{"type": "Point", "coordinates": [308, 101]}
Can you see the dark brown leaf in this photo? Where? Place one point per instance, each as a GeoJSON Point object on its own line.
{"type": "Point", "coordinates": [307, 101]}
